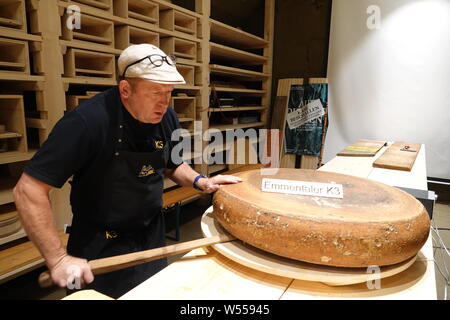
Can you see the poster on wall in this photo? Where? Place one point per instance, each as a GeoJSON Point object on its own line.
{"type": "Point", "coordinates": [305, 121]}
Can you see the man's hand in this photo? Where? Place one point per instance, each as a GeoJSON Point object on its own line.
{"type": "Point", "coordinates": [71, 272]}
{"type": "Point", "coordinates": [210, 185]}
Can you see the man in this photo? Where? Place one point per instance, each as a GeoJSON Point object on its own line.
{"type": "Point", "coordinates": [117, 147]}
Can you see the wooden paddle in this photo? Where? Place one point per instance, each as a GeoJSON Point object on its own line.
{"type": "Point", "coordinates": [105, 265]}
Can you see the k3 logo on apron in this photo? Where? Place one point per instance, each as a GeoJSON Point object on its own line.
{"type": "Point", "coordinates": [146, 171]}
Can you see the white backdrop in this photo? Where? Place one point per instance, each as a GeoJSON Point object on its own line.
{"type": "Point", "coordinates": [392, 82]}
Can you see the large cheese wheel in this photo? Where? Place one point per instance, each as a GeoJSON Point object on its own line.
{"type": "Point", "coordinates": [373, 224]}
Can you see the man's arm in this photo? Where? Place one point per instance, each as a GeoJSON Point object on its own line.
{"type": "Point", "coordinates": [184, 176]}
{"type": "Point", "coordinates": [33, 204]}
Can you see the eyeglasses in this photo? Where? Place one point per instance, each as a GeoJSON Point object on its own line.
{"type": "Point", "coordinates": [155, 59]}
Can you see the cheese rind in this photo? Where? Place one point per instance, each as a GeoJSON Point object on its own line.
{"type": "Point", "coordinates": [374, 224]}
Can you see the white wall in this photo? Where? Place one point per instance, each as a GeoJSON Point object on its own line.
{"type": "Point", "coordinates": [391, 83]}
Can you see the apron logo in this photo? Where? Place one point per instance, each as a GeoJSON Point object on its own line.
{"type": "Point", "coordinates": [110, 234]}
{"type": "Point", "coordinates": [159, 144]}
{"type": "Point", "coordinates": [146, 171]}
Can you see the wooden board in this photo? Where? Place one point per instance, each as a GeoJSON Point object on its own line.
{"type": "Point", "coordinates": [362, 148]}
{"type": "Point", "coordinates": [279, 118]}
{"type": "Point", "coordinates": [399, 156]}
{"type": "Point", "coordinates": [266, 262]}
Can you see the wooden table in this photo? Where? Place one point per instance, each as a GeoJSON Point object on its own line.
{"type": "Point", "coordinates": [206, 274]}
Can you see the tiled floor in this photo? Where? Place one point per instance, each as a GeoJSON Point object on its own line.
{"type": "Point", "coordinates": [26, 287]}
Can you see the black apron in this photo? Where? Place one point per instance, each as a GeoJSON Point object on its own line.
{"type": "Point", "coordinates": [128, 215]}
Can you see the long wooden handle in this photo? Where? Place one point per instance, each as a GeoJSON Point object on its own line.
{"type": "Point", "coordinates": [123, 261]}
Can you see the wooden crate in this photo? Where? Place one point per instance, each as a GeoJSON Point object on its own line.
{"type": "Point", "coordinates": [12, 14]}
{"type": "Point", "coordinates": [83, 63]}
{"type": "Point", "coordinates": [72, 101]}
{"type": "Point", "coordinates": [142, 10]}
{"type": "Point", "coordinates": [127, 35]}
{"type": "Point", "coordinates": [93, 29]}
{"type": "Point", "coordinates": [105, 5]}
{"type": "Point", "coordinates": [14, 56]}
{"type": "Point", "coordinates": [12, 117]}
{"type": "Point", "coordinates": [174, 20]}
{"type": "Point", "coordinates": [184, 107]}
{"type": "Point", "coordinates": [188, 73]}
{"type": "Point", "coordinates": [179, 47]}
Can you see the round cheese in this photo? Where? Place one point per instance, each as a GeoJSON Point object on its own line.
{"type": "Point", "coordinates": [372, 224]}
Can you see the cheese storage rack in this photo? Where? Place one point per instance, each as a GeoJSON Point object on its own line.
{"type": "Point", "coordinates": [48, 65]}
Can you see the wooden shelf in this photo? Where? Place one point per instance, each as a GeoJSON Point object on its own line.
{"type": "Point", "coordinates": [12, 14]}
{"type": "Point", "coordinates": [8, 76]}
{"type": "Point", "coordinates": [14, 56]}
{"type": "Point", "coordinates": [93, 29]}
{"type": "Point", "coordinates": [229, 109]}
{"type": "Point", "coordinates": [142, 10]}
{"type": "Point", "coordinates": [9, 135]}
{"type": "Point", "coordinates": [6, 186]}
{"type": "Point", "coordinates": [223, 127]}
{"type": "Point", "coordinates": [18, 235]}
{"type": "Point", "coordinates": [101, 4]}
{"type": "Point", "coordinates": [237, 73]}
{"type": "Point", "coordinates": [89, 46]}
{"type": "Point", "coordinates": [226, 34]}
{"type": "Point", "coordinates": [89, 81]}
{"type": "Point", "coordinates": [239, 90]}
{"type": "Point", "coordinates": [118, 20]}
{"type": "Point", "coordinates": [22, 258]}
{"type": "Point", "coordinates": [164, 4]}
{"type": "Point", "coordinates": [16, 156]}
{"type": "Point", "coordinates": [17, 34]}
{"type": "Point", "coordinates": [186, 119]}
{"type": "Point", "coordinates": [187, 87]}
{"type": "Point", "coordinates": [125, 36]}
{"type": "Point", "coordinates": [235, 55]}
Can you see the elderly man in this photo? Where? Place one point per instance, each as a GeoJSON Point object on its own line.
{"type": "Point", "coordinates": [117, 147]}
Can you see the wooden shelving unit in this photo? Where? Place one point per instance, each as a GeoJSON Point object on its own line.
{"type": "Point", "coordinates": [52, 69]}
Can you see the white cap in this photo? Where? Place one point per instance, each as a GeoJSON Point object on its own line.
{"type": "Point", "coordinates": [165, 74]}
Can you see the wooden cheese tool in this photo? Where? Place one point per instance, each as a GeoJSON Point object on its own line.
{"type": "Point", "coordinates": [105, 265]}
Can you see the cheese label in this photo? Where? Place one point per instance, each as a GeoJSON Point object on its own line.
{"type": "Point", "coordinates": [305, 188]}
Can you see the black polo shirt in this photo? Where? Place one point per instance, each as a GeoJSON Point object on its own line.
{"type": "Point", "coordinates": [85, 139]}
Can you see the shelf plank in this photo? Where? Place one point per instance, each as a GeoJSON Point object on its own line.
{"type": "Point", "coordinates": [15, 156]}
{"type": "Point", "coordinates": [223, 127]}
{"type": "Point", "coordinates": [90, 81]}
{"type": "Point", "coordinates": [240, 90]}
{"type": "Point", "coordinates": [232, 54]}
{"type": "Point", "coordinates": [90, 46]}
{"type": "Point", "coordinates": [16, 76]}
{"type": "Point", "coordinates": [233, 36]}
{"type": "Point", "coordinates": [185, 119]}
{"type": "Point", "coordinates": [18, 235]}
{"type": "Point", "coordinates": [6, 194]}
{"type": "Point", "coordinates": [9, 135]}
{"type": "Point", "coordinates": [225, 109]}
{"type": "Point", "coordinates": [187, 87]}
{"type": "Point", "coordinates": [17, 34]}
{"type": "Point", "coordinates": [237, 72]}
